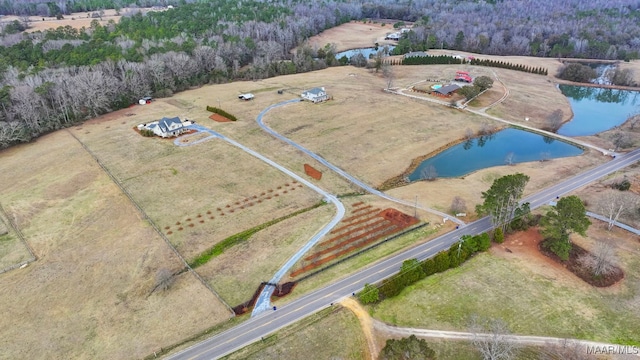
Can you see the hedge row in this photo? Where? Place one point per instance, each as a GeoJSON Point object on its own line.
{"type": "Point", "coordinates": [446, 59]}
{"type": "Point", "coordinates": [215, 110]}
{"type": "Point", "coordinates": [412, 270]}
{"type": "Point", "coordinates": [232, 240]}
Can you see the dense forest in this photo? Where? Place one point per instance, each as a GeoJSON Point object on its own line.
{"type": "Point", "coordinates": [52, 79]}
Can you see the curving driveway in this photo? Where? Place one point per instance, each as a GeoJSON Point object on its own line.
{"type": "Point", "coordinates": [263, 302]}
{"type": "Point", "coordinates": [341, 172]}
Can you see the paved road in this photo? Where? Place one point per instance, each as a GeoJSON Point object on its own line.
{"type": "Point", "coordinates": [253, 329]}
{"type": "Point", "coordinates": [341, 172]}
{"type": "Point", "coordinates": [263, 301]}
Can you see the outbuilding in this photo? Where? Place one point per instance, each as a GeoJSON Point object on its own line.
{"type": "Point", "coordinates": [446, 90]}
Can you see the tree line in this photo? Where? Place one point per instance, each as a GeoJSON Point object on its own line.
{"type": "Point", "coordinates": [43, 75]}
{"type": "Point", "coordinates": [53, 79]}
{"type": "Point", "coordinates": [447, 59]}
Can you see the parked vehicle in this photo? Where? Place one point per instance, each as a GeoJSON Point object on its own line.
{"type": "Point", "coordinates": [246, 97]}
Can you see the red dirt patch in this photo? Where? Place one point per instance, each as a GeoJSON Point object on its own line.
{"type": "Point", "coordinates": [218, 118]}
{"type": "Point", "coordinates": [312, 172]}
{"type": "Point", "coordinates": [574, 266]}
{"type": "Point", "coordinates": [278, 292]}
{"type": "Point", "coordinates": [354, 235]}
{"type": "Point", "coordinates": [525, 246]}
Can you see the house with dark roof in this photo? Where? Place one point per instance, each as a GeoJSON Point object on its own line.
{"type": "Point", "coordinates": [446, 90]}
{"type": "Point", "coordinates": [166, 127]}
{"type": "Point", "coordinates": [316, 95]}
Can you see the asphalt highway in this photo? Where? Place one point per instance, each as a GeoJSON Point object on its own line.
{"type": "Point", "coordinates": [257, 327]}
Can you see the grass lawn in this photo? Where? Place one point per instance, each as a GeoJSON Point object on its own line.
{"type": "Point", "coordinates": [236, 273]}
{"type": "Point", "coordinates": [332, 333]}
{"type": "Point", "coordinates": [531, 304]}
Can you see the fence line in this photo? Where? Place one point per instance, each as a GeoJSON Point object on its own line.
{"type": "Point", "coordinates": [152, 223]}
{"type": "Point", "coordinates": [16, 230]}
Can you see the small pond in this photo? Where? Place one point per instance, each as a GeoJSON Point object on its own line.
{"type": "Point", "coordinates": [596, 110]}
{"type": "Point", "coordinates": [501, 148]}
{"type": "Point", "coordinates": [366, 52]}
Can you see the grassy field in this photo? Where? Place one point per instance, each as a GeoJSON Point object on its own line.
{"type": "Point", "coordinates": [332, 333]}
{"type": "Point", "coordinates": [237, 273]}
{"type": "Point", "coordinates": [12, 250]}
{"type": "Point", "coordinates": [204, 189]}
{"type": "Point", "coordinates": [97, 264]}
{"type": "Point", "coordinates": [531, 296]}
{"type": "Point", "coordinates": [98, 256]}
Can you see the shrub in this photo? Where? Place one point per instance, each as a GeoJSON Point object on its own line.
{"type": "Point", "coordinates": [442, 261]}
{"type": "Point", "coordinates": [623, 185]}
{"type": "Point", "coordinates": [429, 267]}
{"type": "Point", "coordinates": [147, 133]}
{"type": "Point", "coordinates": [215, 110]}
{"type": "Point", "coordinates": [577, 72]}
{"type": "Point", "coordinates": [370, 294]}
{"type": "Point", "coordinates": [498, 236]}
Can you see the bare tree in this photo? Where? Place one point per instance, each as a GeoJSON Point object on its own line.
{"type": "Point", "coordinates": [602, 261]}
{"type": "Point", "coordinates": [164, 279]}
{"type": "Point", "coordinates": [613, 204]}
{"type": "Point", "coordinates": [389, 76]}
{"type": "Point", "coordinates": [468, 134]}
{"type": "Point", "coordinates": [621, 139]}
{"type": "Point", "coordinates": [633, 121]}
{"type": "Point", "coordinates": [488, 129]}
{"type": "Point", "coordinates": [429, 173]}
{"type": "Point", "coordinates": [458, 205]}
{"type": "Point", "coordinates": [554, 120]}
{"type": "Point", "coordinates": [565, 350]}
{"type": "Point", "coordinates": [491, 338]}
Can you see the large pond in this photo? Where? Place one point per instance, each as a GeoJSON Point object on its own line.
{"type": "Point", "coordinates": [366, 52]}
{"type": "Point", "coordinates": [508, 146]}
{"type": "Point", "coordinates": [596, 110]}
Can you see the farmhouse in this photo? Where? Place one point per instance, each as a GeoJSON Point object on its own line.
{"type": "Point", "coordinates": [446, 90]}
{"type": "Point", "coordinates": [315, 95]}
{"type": "Point", "coordinates": [166, 127]}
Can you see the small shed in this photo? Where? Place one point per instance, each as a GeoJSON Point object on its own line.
{"type": "Point", "coordinates": [315, 95]}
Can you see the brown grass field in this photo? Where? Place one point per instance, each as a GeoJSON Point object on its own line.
{"type": "Point", "coordinates": [98, 256]}
{"type": "Point", "coordinates": [89, 293]}
{"type": "Point", "coordinates": [354, 35]}
{"type": "Point", "coordinates": [75, 20]}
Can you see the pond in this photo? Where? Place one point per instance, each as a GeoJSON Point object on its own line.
{"type": "Point", "coordinates": [504, 147]}
{"type": "Point", "coordinates": [366, 52]}
{"type": "Point", "coordinates": [596, 110]}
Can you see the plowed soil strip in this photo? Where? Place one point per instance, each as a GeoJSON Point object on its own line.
{"type": "Point", "coordinates": [341, 244]}
{"type": "Point", "coordinates": [354, 230]}
{"type": "Point", "coordinates": [337, 230]}
{"type": "Point", "coordinates": [351, 218]}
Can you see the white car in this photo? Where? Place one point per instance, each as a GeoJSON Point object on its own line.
{"type": "Point", "coordinates": [246, 96]}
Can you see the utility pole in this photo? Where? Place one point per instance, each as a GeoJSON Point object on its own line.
{"type": "Point", "coordinates": [415, 208]}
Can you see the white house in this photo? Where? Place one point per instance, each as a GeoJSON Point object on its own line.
{"type": "Point", "coordinates": [166, 127]}
{"type": "Point", "coordinates": [315, 95]}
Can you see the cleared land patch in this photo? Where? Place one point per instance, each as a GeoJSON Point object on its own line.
{"type": "Point", "coordinates": [98, 262]}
